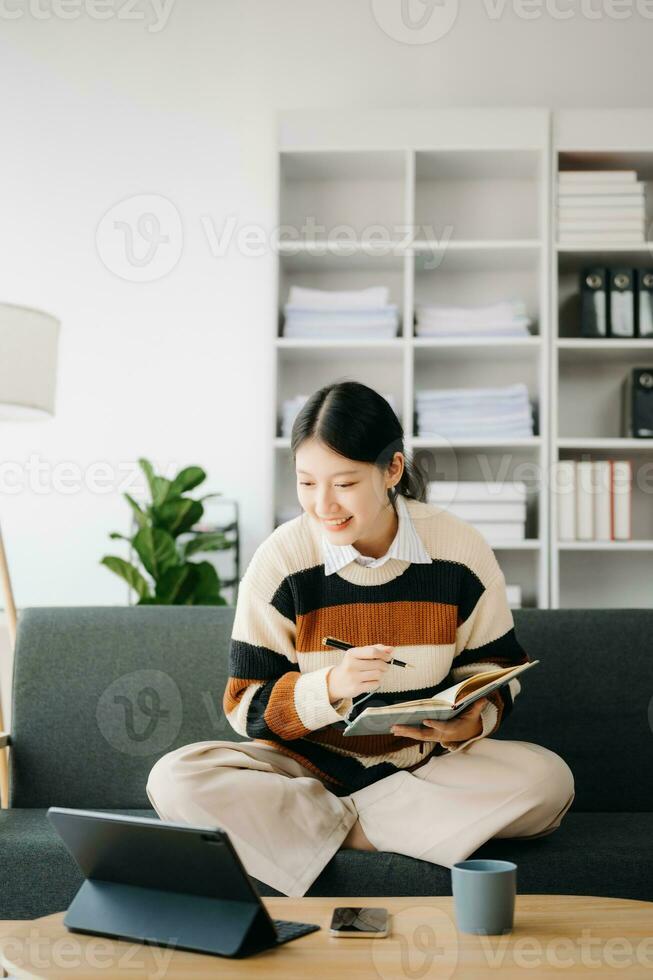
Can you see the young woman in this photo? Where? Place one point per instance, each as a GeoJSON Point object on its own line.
{"type": "Point", "coordinates": [371, 563]}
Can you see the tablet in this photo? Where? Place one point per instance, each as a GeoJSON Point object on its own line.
{"type": "Point", "coordinates": [171, 884]}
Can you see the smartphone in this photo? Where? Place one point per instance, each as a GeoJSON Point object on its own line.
{"type": "Point", "coordinates": [369, 923]}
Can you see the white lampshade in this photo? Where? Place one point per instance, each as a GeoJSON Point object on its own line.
{"type": "Point", "coordinates": [28, 363]}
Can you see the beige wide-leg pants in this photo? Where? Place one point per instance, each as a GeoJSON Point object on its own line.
{"type": "Point", "coordinates": [286, 825]}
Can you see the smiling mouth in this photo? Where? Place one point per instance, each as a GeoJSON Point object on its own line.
{"type": "Point", "coordinates": [337, 524]}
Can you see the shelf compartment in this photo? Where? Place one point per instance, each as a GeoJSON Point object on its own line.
{"type": "Point", "coordinates": [489, 256]}
{"type": "Point", "coordinates": [477, 276]}
{"type": "Point", "coordinates": [521, 566]}
{"type": "Point", "coordinates": [336, 270]}
{"type": "Point", "coordinates": [479, 194]}
{"type": "Point", "coordinates": [591, 392]}
{"type": "Point", "coordinates": [572, 258]}
{"type": "Point", "coordinates": [509, 349]}
{"type": "Point", "coordinates": [343, 189]}
{"type": "Point", "coordinates": [300, 371]}
{"type": "Point", "coordinates": [642, 485]}
{"type": "Point", "coordinates": [441, 368]}
{"type": "Point", "coordinates": [609, 579]}
{"type": "Point", "coordinates": [581, 349]}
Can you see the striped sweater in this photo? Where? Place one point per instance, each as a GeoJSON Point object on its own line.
{"type": "Point", "coordinates": [449, 619]}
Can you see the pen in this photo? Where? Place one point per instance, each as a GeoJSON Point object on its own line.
{"type": "Point", "coordinates": [329, 641]}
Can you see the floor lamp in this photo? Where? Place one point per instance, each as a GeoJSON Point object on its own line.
{"type": "Point", "coordinates": [28, 372]}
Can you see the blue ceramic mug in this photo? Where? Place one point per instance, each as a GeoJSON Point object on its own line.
{"type": "Point", "coordinates": [484, 895]}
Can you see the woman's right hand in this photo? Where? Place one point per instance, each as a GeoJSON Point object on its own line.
{"type": "Point", "coordinates": [360, 670]}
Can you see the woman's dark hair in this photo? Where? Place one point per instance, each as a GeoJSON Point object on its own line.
{"type": "Point", "coordinates": [359, 424]}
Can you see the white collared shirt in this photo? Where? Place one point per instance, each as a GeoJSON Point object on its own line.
{"type": "Point", "coordinates": [407, 546]}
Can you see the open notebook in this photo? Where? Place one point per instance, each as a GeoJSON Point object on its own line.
{"type": "Point", "coordinates": [444, 705]}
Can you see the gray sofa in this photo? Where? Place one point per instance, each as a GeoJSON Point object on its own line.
{"type": "Point", "coordinates": [100, 693]}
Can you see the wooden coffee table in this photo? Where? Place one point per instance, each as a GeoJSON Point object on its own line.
{"type": "Point", "coordinates": [554, 935]}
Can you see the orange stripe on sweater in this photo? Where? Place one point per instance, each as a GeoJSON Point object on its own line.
{"type": "Point", "coordinates": [280, 714]}
{"type": "Point", "coordinates": [392, 623]}
{"type": "Point", "coordinates": [236, 686]}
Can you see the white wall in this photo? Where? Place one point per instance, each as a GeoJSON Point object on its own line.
{"type": "Point", "coordinates": [179, 369]}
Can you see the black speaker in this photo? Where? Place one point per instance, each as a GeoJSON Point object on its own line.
{"type": "Point", "coordinates": [638, 403]}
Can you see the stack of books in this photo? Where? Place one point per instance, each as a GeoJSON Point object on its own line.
{"type": "Point", "coordinates": [291, 408]}
{"type": "Point", "coordinates": [496, 509]}
{"type": "Point", "coordinates": [504, 319]}
{"type": "Point", "coordinates": [357, 314]}
{"type": "Point", "coordinates": [487, 413]}
{"type": "Point", "coordinates": [594, 500]}
{"type": "Point", "coordinates": [596, 206]}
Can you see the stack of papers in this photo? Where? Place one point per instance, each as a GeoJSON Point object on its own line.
{"type": "Point", "coordinates": [496, 509]}
{"type": "Point", "coordinates": [291, 408]}
{"type": "Point", "coordinates": [504, 319]}
{"type": "Point", "coordinates": [357, 314]}
{"type": "Point", "coordinates": [596, 206]}
{"type": "Point", "coordinates": [469, 413]}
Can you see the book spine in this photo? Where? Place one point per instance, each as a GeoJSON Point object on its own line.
{"type": "Point", "coordinates": [602, 500]}
{"type": "Point", "coordinates": [566, 499]}
{"type": "Point", "coordinates": [622, 495]}
{"type": "Point", "coordinates": [584, 501]}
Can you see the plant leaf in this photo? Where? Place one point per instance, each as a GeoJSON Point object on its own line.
{"type": "Point", "coordinates": [119, 537]}
{"type": "Point", "coordinates": [141, 518]}
{"type": "Point", "coordinates": [128, 572]}
{"type": "Point", "coordinates": [207, 585]}
{"type": "Point", "coordinates": [159, 486]}
{"type": "Point", "coordinates": [185, 480]}
{"type": "Point", "coordinates": [156, 549]}
{"type": "Point", "coordinates": [148, 469]}
{"type": "Point", "coordinates": [209, 541]}
{"type": "Point", "coordinates": [177, 516]}
{"type": "Point", "coordinates": [175, 585]}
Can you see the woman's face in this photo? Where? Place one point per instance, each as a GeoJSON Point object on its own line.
{"type": "Point", "coordinates": [347, 498]}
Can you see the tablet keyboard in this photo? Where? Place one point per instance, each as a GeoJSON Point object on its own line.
{"type": "Point", "coordinates": [291, 930]}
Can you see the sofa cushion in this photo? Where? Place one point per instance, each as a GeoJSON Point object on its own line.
{"type": "Point", "coordinates": [606, 854]}
{"type": "Point", "coordinates": [589, 700]}
{"type": "Point", "coordinates": [100, 693]}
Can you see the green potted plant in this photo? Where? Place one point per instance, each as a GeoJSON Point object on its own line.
{"type": "Point", "coordinates": [173, 578]}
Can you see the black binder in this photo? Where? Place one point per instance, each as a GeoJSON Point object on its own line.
{"type": "Point", "coordinates": [593, 303]}
{"type": "Point", "coordinates": [621, 320]}
{"type": "Point", "coordinates": [169, 884]}
{"type": "Point", "coordinates": [644, 305]}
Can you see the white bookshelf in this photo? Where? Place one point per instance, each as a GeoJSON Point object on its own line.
{"type": "Point", "coordinates": [586, 374]}
{"type": "Point", "coordinates": [460, 206]}
{"type": "Point", "coordinates": [463, 203]}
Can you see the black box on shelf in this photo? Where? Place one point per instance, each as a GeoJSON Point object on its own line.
{"type": "Point", "coordinates": [594, 302]}
{"type": "Point", "coordinates": [644, 305]}
{"type": "Point", "coordinates": [638, 403]}
{"type": "Point", "coordinates": [622, 303]}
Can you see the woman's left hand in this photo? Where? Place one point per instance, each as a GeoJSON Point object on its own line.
{"type": "Point", "coordinates": [465, 725]}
